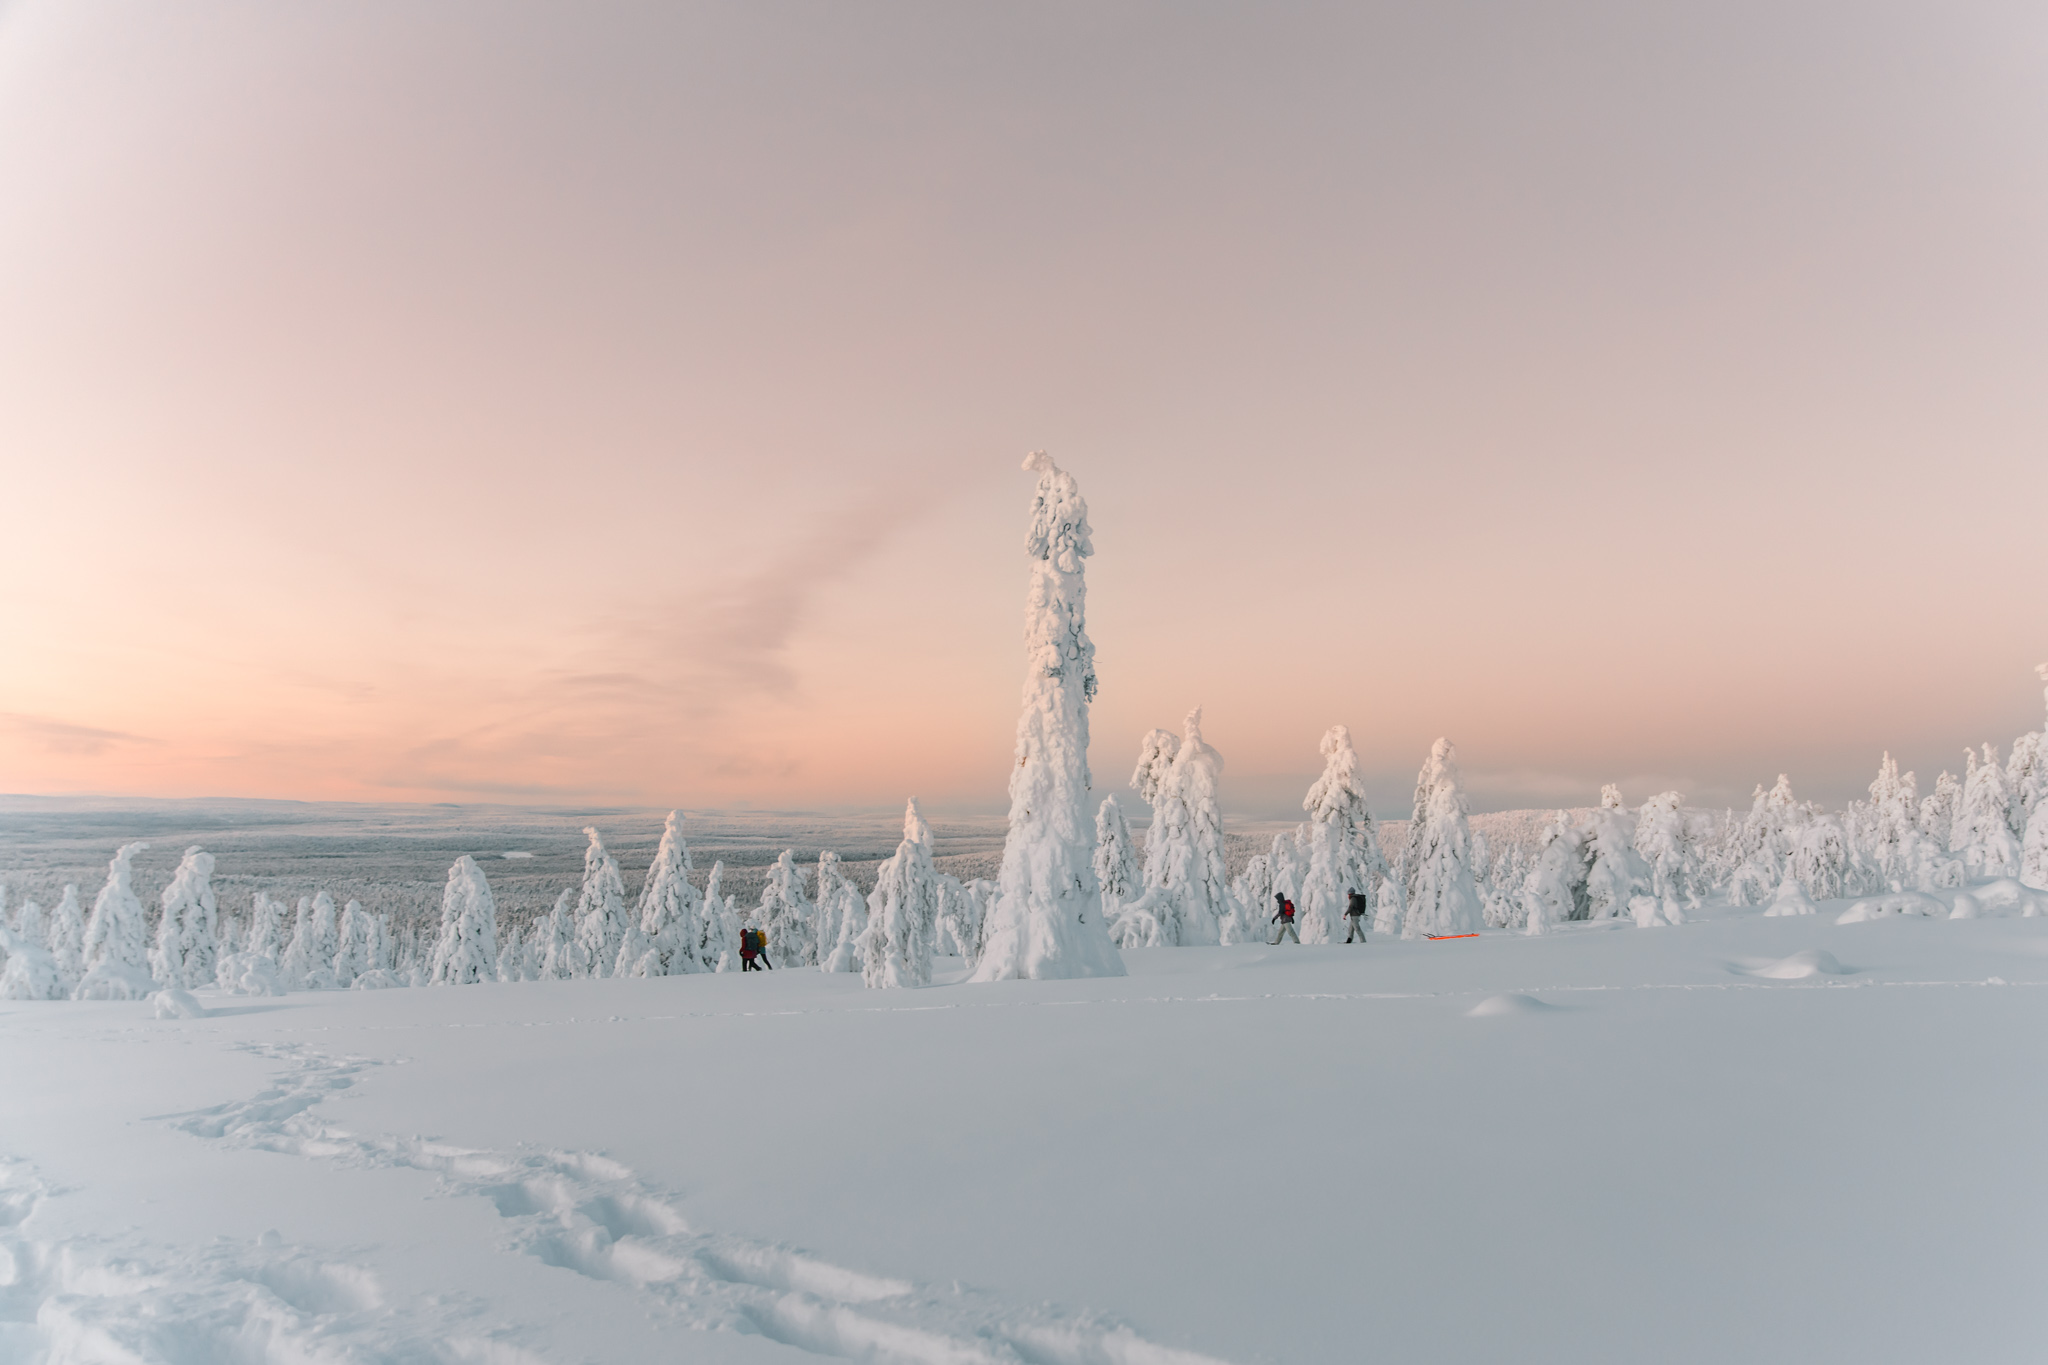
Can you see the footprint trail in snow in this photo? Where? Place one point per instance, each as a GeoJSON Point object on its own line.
{"type": "Point", "coordinates": [590, 1215]}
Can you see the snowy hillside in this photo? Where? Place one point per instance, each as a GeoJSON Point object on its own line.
{"type": "Point", "coordinates": [1747, 1138]}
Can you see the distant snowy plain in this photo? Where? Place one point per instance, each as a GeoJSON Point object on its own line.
{"type": "Point", "coordinates": [1741, 1139]}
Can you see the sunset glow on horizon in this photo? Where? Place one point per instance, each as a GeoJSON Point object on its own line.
{"type": "Point", "coordinates": [496, 403]}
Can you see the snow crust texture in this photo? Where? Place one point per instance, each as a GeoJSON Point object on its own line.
{"type": "Point", "coordinates": [67, 1302]}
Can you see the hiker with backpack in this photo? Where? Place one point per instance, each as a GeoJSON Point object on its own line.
{"type": "Point", "coordinates": [1354, 911]}
{"type": "Point", "coordinates": [753, 946]}
{"type": "Point", "coordinates": [1285, 915]}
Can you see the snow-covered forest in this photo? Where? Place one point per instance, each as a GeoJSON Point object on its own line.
{"type": "Point", "coordinates": [1073, 884]}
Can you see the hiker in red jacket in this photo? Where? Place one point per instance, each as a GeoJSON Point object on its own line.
{"type": "Point", "coordinates": [753, 946]}
{"type": "Point", "coordinates": [1285, 914]}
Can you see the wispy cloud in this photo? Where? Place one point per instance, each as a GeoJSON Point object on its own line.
{"type": "Point", "coordinates": [63, 737]}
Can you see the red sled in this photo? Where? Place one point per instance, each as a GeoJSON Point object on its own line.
{"type": "Point", "coordinates": [1439, 938]}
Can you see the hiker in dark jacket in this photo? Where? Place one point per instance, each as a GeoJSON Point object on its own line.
{"type": "Point", "coordinates": [754, 951]}
{"type": "Point", "coordinates": [1285, 915]}
{"type": "Point", "coordinates": [1354, 911]}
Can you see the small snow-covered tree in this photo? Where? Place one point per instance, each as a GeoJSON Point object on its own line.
{"type": "Point", "coordinates": [467, 950]}
{"type": "Point", "coordinates": [1440, 894]}
{"type": "Point", "coordinates": [903, 911]}
{"type": "Point", "coordinates": [65, 937]}
{"type": "Point", "coordinates": [28, 972]}
{"type": "Point", "coordinates": [308, 962]}
{"type": "Point", "coordinates": [554, 950]}
{"type": "Point", "coordinates": [1822, 860]}
{"type": "Point", "coordinates": [355, 936]}
{"type": "Point", "coordinates": [1047, 920]}
{"type": "Point", "coordinates": [1665, 843]}
{"type": "Point", "coordinates": [1186, 900]}
{"type": "Point", "coordinates": [1765, 843]}
{"type": "Point", "coordinates": [786, 915]}
{"type": "Point", "coordinates": [2034, 851]}
{"type": "Point", "coordinates": [600, 910]}
{"type": "Point", "coordinates": [1253, 891]}
{"type": "Point", "coordinates": [1981, 834]}
{"type": "Point", "coordinates": [28, 925]}
{"type": "Point", "coordinates": [1790, 899]}
{"type": "Point", "coordinates": [1618, 873]}
{"type": "Point", "coordinates": [115, 951]}
{"type": "Point", "coordinates": [1116, 862]}
{"type": "Point", "coordinates": [1894, 830]}
{"type": "Point", "coordinates": [1343, 842]}
{"type": "Point", "coordinates": [1501, 895]}
{"type": "Point", "coordinates": [671, 918]}
{"type": "Point", "coordinates": [842, 918]}
{"type": "Point", "coordinates": [186, 948]}
{"type": "Point", "coordinates": [514, 946]}
{"type": "Point", "coordinates": [1938, 810]}
{"type": "Point", "coordinates": [266, 926]}
{"type": "Point", "coordinates": [1555, 889]}
{"type": "Point", "coordinates": [718, 935]}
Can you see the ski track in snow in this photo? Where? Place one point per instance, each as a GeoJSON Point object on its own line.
{"type": "Point", "coordinates": [267, 1304]}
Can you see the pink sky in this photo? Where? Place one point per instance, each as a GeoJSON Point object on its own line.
{"type": "Point", "coordinates": [623, 403]}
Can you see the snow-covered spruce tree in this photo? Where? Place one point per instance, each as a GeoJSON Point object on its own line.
{"type": "Point", "coordinates": [1980, 834]}
{"type": "Point", "coordinates": [1618, 874]}
{"type": "Point", "coordinates": [671, 919]}
{"type": "Point", "coordinates": [353, 935]}
{"type": "Point", "coordinates": [1203, 901]}
{"type": "Point", "coordinates": [1440, 894]}
{"type": "Point", "coordinates": [65, 937]}
{"type": "Point", "coordinates": [956, 931]}
{"type": "Point", "coordinates": [903, 911]}
{"type": "Point", "coordinates": [513, 945]}
{"type": "Point", "coordinates": [1343, 843]}
{"type": "Point", "coordinates": [1765, 844]}
{"type": "Point", "coordinates": [1047, 920]}
{"type": "Point", "coordinates": [28, 971]}
{"type": "Point", "coordinates": [1665, 844]}
{"type": "Point", "coordinates": [718, 932]}
{"type": "Point", "coordinates": [266, 926]}
{"type": "Point", "coordinates": [842, 918]}
{"type": "Point", "coordinates": [116, 952]}
{"type": "Point", "coordinates": [1555, 890]}
{"type": "Point", "coordinates": [308, 962]}
{"type": "Point", "coordinates": [1894, 828]}
{"type": "Point", "coordinates": [1501, 896]}
{"type": "Point", "coordinates": [1116, 862]}
{"type": "Point", "coordinates": [1153, 918]}
{"type": "Point", "coordinates": [600, 910]}
{"type": "Point", "coordinates": [1253, 889]}
{"type": "Point", "coordinates": [186, 946]}
{"type": "Point", "coordinates": [29, 925]}
{"type": "Point", "coordinates": [467, 951]}
{"type": "Point", "coordinates": [555, 948]}
{"type": "Point", "coordinates": [786, 915]}
{"type": "Point", "coordinates": [1153, 781]}
{"type": "Point", "coordinates": [1938, 809]}
{"type": "Point", "coordinates": [2034, 849]}
{"type": "Point", "coordinates": [1824, 862]}
{"type": "Point", "coordinates": [1790, 899]}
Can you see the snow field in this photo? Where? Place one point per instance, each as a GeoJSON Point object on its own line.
{"type": "Point", "coordinates": [1735, 1139]}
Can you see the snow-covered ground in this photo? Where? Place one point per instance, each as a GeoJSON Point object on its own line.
{"type": "Point", "coordinates": [1743, 1139]}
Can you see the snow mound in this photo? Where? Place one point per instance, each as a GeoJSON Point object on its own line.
{"type": "Point", "coordinates": [1800, 965]}
{"type": "Point", "coordinates": [1791, 899]}
{"type": "Point", "coordinates": [1512, 1003]}
{"type": "Point", "coordinates": [177, 1003]}
{"type": "Point", "coordinates": [1896, 903]}
{"type": "Point", "coordinates": [376, 979]}
{"type": "Point", "coordinates": [2001, 897]}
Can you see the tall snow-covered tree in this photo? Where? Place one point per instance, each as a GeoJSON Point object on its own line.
{"type": "Point", "coordinates": [1343, 842]}
{"type": "Point", "coordinates": [467, 950]}
{"type": "Point", "coordinates": [903, 910]}
{"type": "Point", "coordinates": [1047, 920]}
{"type": "Point", "coordinates": [554, 950]}
{"type": "Point", "coordinates": [1501, 895]}
{"type": "Point", "coordinates": [266, 926]}
{"type": "Point", "coordinates": [842, 918]}
{"type": "Point", "coordinates": [600, 910]}
{"type": "Point", "coordinates": [1618, 874]}
{"type": "Point", "coordinates": [671, 920]}
{"type": "Point", "coordinates": [116, 944]}
{"type": "Point", "coordinates": [786, 915]}
{"type": "Point", "coordinates": [1981, 833]}
{"type": "Point", "coordinates": [1153, 781]}
{"type": "Point", "coordinates": [1439, 891]}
